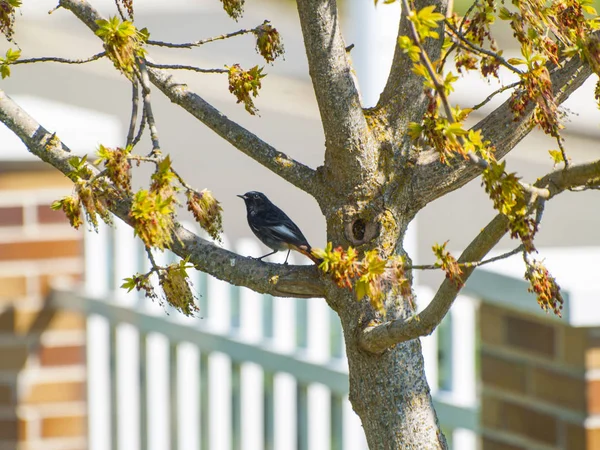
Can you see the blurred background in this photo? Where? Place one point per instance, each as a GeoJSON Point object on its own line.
{"type": "Point", "coordinates": [86, 366]}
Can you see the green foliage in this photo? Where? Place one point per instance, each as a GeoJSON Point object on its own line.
{"type": "Point", "coordinates": [10, 57]}
{"type": "Point", "coordinates": [268, 42]}
{"type": "Point", "coordinates": [174, 282]}
{"type": "Point", "coordinates": [117, 166]}
{"type": "Point", "coordinates": [544, 286]}
{"type": "Point", "coordinates": [7, 17]}
{"type": "Point", "coordinates": [153, 218]}
{"type": "Point", "coordinates": [122, 42]}
{"type": "Point", "coordinates": [368, 274]}
{"type": "Point", "coordinates": [207, 212]}
{"type": "Point", "coordinates": [244, 84]}
{"type": "Point", "coordinates": [233, 8]}
{"type": "Point", "coordinates": [71, 206]}
{"type": "Point", "coordinates": [548, 33]}
{"type": "Point", "coordinates": [557, 156]}
{"type": "Point", "coordinates": [509, 199]}
{"type": "Point", "coordinates": [448, 264]}
{"type": "Point", "coordinates": [426, 22]}
{"type": "Point", "coordinates": [413, 51]}
{"type": "Point", "coordinates": [80, 167]}
{"type": "Point", "coordinates": [162, 179]}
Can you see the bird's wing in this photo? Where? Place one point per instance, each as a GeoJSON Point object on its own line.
{"type": "Point", "coordinates": [281, 227]}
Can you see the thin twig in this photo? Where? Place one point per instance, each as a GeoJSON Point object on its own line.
{"type": "Point", "coordinates": [493, 94]}
{"type": "Point", "coordinates": [559, 141]}
{"type": "Point", "coordinates": [58, 60]}
{"type": "Point", "coordinates": [140, 132]}
{"type": "Point", "coordinates": [135, 99]}
{"type": "Point", "coordinates": [145, 81]}
{"type": "Point", "coordinates": [184, 67]}
{"type": "Point", "coordinates": [471, 263]}
{"type": "Point", "coordinates": [182, 181]}
{"type": "Point", "coordinates": [477, 48]}
{"type": "Point", "coordinates": [460, 28]}
{"type": "Point", "coordinates": [141, 158]}
{"type": "Point", "coordinates": [155, 267]}
{"type": "Point", "coordinates": [155, 160]}
{"type": "Point", "coordinates": [120, 10]}
{"type": "Point", "coordinates": [207, 40]}
{"type": "Point", "coordinates": [475, 159]}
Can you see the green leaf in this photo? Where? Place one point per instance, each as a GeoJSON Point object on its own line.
{"type": "Point", "coordinates": [557, 156]}
{"type": "Point", "coordinates": [362, 287]}
{"type": "Point", "coordinates": [129, 284]}
{"type": "Point", "coordinates": [516, 61]}
{"type": "Point", "coordinates": [12, 55]}
{"type": "Point", "coordinates": [4, 71]}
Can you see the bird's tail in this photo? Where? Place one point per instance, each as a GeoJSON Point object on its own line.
{"type": "Point", "coordinates": [307, 251]}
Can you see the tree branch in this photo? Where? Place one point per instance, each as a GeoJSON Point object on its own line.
{"type": "Point", "coordinates": [344, 124]}
{"type": "Point", "coordinates": [275, 279]}
{"type": "Point", "coordinates": [95, 57]}
{"type": "Point", "coordinates": [248, 143]}
{"type": "Point", "coordinates": [189, 45]}
{"type": "Point", "coordinates": [378, 338]}
{"type": "Point", "coordinates": [433, 179]}
{"type": "Point", "coordinates": [403, 99]}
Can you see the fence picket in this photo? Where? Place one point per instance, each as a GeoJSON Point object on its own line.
{"type": "Point", "coordinates": [239, 406]}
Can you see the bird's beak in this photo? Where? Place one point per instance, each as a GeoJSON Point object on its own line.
{"type": "Point", "coordinates": [243, 197]}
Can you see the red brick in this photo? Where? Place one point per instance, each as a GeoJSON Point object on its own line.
{"type": "Point", "coordinates": [592, 358]}
{"type": "Point", "coordinates": [593, 396]}
{"type": "Point", "coordinates": [67, 391]}
{"type": "Point", "coordinates": [24, 321]}
{"type": "Point", "coordinates": [70, 426]}
{"type": "Point", "coordinates": [13, 287]}
{"type": "Point", "coordinates": [47, 280]}
{"type": "Point", "coordinates": [62, 356]}
{"type": "Point", "coordinates": [503, 374]}
{"type": "Point", "coordinates": [50, 319]}
{"type": "Point", "coordinates": [11, 216]}
{"type": "Point", "coordinates": [593, 439]}
{"type": "Point", "coordinates": [23, 429]}
{"type": "Point", "coordinates": [560, 390]}
{"type": "Point", "coordinates": [40, 249]}
{"type": "Point", "coordinates": [530, 336]}
{"type": "Point", "coordinates": [34, 180]}
{"type": "Point", "coordinates": [47, 215]}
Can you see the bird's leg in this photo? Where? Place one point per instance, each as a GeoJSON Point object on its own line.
{"type": "Point", "coordinates": [287, 256]}
{"type": "Point", "coordinates": [268, 254]}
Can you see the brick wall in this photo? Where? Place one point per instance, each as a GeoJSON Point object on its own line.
{"type": "Point", "coordinates": [540, 383]}
{"type": "Point", "coordinates": [42, 351]}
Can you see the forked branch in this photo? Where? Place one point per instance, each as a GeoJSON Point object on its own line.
{"type": "Point", "coordinates": [289, 169]}
{"type": "Point", "coordinates": [275, 279]}
{"type": "Point", "coordinates": [380, 337]}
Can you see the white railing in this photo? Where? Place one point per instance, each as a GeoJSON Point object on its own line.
{"type": "Point", "coordinates": [251, 374]}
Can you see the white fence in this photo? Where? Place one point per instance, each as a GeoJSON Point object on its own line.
{"type": "Point", "coordinates": [250, 374]}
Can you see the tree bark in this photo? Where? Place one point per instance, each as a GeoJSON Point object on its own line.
{"type": "Point", "coordinates": [388, 391]}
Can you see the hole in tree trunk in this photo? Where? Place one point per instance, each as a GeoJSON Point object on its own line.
{"type": "Point", "coordinates": [358, 229]}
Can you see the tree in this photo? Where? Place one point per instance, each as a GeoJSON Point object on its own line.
{"type": "Point", "coordinates": [381, 166]}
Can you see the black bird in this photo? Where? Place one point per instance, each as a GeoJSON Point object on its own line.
{"type": "Point", "coordinates": [273, 227]}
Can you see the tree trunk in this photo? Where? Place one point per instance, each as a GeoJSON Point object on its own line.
{"type": "Point", "coordinates": [389, 391]}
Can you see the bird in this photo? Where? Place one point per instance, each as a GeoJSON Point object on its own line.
{"type": "Point", "coordinates": [273, 227]}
